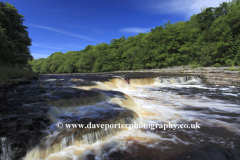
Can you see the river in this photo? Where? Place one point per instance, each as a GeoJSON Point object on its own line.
{"type": "Point", "coordinates": [172, 117]}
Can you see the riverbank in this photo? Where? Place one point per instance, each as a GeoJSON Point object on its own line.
{"type": "Point", "coordinates": [11, 75]}
{"type": "Point", "coordinates": [213, 75]}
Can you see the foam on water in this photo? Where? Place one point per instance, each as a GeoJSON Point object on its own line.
{"type": "Point", "coordinates": [6, 148]}
{"type": "Point", "coordinates": [120, 142]}
{"type": "Point", "coordinates": [153, 106]}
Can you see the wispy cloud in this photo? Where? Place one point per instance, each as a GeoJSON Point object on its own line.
{"type": "Point", "coordinates": [42, 53]}
{"type": "Point", "coordinates": [98, 31]}
{"type": "Point", "coordinates": [39, 55]}
{"type": "Point", "coordinates": [60, 31]}
{"type": "Point", "coordinates": [62, 11]}
{"type": "Point", "coordinates": [135, 30]}
{"type": "Point", "coordinates": [184, 7]}
{"type": "Point", "coordinates": [45, 46]}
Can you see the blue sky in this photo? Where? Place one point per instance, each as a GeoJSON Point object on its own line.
{"type": "Point", "coordinates": [63, 25]}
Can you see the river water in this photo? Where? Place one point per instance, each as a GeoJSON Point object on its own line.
{"type": "Point", "coordinates": [173, 117]}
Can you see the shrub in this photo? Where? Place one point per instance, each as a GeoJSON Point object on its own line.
{"type": "Point", "coordinates": [9, 72]}
{"type": "Point", "coordinates": [229, 62]}
{"type": "Point", "coordinates": [231, 69]}
{"type": "Point", "coordinates": [194, 66]}
{"type": "Point", "coordinates": [217, 65]}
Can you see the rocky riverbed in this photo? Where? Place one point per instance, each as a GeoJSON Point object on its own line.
{"type": "Point", "coordinates": [27, 110]}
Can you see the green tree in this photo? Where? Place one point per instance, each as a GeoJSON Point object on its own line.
{"type": "Point", "coordinates": [70, 60]}
{"type": "Point", "coordinates": [14, 37]}
{"type": "Point", "coordinates": [46, 65]}
{"type": "Point", "coordinates": [57, 59]}
{"type": "Point", "coordinates": [37, 64]}
{"type": "Point", "coordinates": [86, 62]}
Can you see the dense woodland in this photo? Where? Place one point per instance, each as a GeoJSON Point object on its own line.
{"type": "Point", "coordinates": [210, 38]}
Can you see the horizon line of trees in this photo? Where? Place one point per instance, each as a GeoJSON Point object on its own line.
{"type": "Point", "coordinates": [211, 37]}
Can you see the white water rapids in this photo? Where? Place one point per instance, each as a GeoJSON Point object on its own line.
{"type": "Point", "coordinates": [177, 100]}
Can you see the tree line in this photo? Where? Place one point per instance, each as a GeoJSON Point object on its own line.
{"type": "Point", "coordinates": [210, 38]}
{"type": "Point", "coordinates": [14, 40]}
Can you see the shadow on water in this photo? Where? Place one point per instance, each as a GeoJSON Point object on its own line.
{"type": "Point", "coordinates": [207, 143]}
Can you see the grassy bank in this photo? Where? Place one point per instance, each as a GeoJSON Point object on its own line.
{"type": "Point", "coordinates": [9, 73]}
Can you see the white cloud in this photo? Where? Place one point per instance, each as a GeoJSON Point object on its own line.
{"type": "Point", "coordinates": [39, 55]}
{"type": "Point", "coordinates": [184, 7]}
{"type": "Point", "coordinates": [45, 46]}
{"type": "Point", "coordinates": [98, 31]}
{"type": "Point", "coordinates": [42, 53]}
{"type": "Point", "coordinates": [135, 30]}
{"type": "Point", "coordinates": [61, 31]}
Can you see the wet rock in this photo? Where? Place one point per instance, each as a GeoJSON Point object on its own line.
{"type": "Point", "coordinates": [22, 129]}
{"type": "Point", "coordinates": [21, 81]}
{"type": "Point", "coordinates": [24, 111]}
